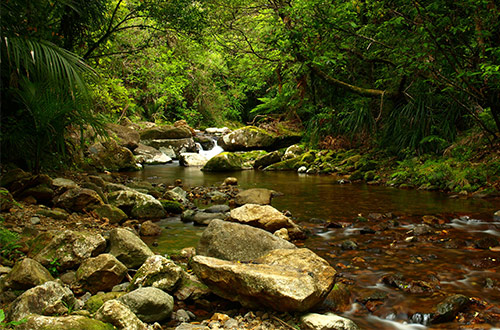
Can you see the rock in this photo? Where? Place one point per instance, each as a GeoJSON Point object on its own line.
{"type": "Point", "coordinates": [254, 196]}
{"type": "Point", "coordinates": [204, 218]}
{"type": "Point", "coordinates": [26, 274]}
{"type": "Point", "coordinates": [137, 205]}
{"type": "Point", "coordinates": [284, 279]}
{"type": "Point", "coordinates": [192, 159]}
{"type": "Point", "coordinates": [50, 298]}
{"type": "Point", "coordinates": [187, 215]}
{"type": "Point", "coordinates": [78, 199]}
{"type": "Point", "coordinates": [158, 272]}
{"type": "Point", "coordinates": [177, 194]}
{"type": "Point", "coordinates": [230, 181]}
{"type": "Point", "coordinates": [6, 200]}
{"type": "Point", "coordinates": [252, 138]}
{"type": "Point", "coordinates": [70, 248]}
{"type": "Point", "coordinates": [328, 321]}
{"type": "Point", "coordinates": [237, 242]}
{"type": "Point", "coordinates": [172, 147]}
{"type": "Point", "coordinates": [223, 162]}
{"type": "Point", "coordinates": [149, 155]}
{"type": "Point", "coordinates": [187, 326]}
{"type": "Point", "coordinates": [100, 273]}
{"type": "Point", "coordinates": [422, 229]}
{"type": "Point", "coordinates": [293, 151]}
{"type": "Point", "coordinates": [57, 213]}
{"type": "Point", "coordinates": [496, 216]}
{"type": "Point", "coordinates": [128, 248]}
{"type": "Point", "coordinates": [64, 184]}
{"type": "Point", "coordinates": [149, 304]}
{"type": "Point", "coordinates": [449, 308]}
{"type": "Point", "coordinates": [119, 315]}
{"type": "Point", "coordinates": [169, 151]}
{"type": "Point", "coordinates": [96, 301]}
{"type": "Point", "coordinates": [206, 142]}
{"type": "Point", "coordinates": [110, 212]}
{"type": "Point", "coordinates": [217, 209]}
{"type": "Point", "coordinates": [268, 159]}
{"type": "Point", "coordinates": [265, 217]}
{"type": "Point", "coordinates": [73, 322]}
{"type": "Point", "coordinates": [149, 228]}
{"type": "Point", "coordinates": [218, 197]}
{"type": "Point", "coordinates": [172, 206]}
{"type": "Point", "coordinates": [126, 137]}
{"type": "Point", "coordinates": [15, 175]}
{"type": "Point", "coordinates": [217, 131]}
{"type": "Point", "coordinates": [285, 165]}
{"type": "Point", "coordinates": [109, 156]}
{"type": "Point", "coordinates": [43, 193]}
{"type": "Point", "coordinates": [165, 132]}
{"type": "Point", "coordinates": [282, 233]}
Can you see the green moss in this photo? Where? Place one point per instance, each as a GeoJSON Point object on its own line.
{"type": "Point", "coordinates": [172, 206]}
{"type": "Point", "coordinates": [225, 161]}
{"type": "Point", "coordinates": [286, 165]}
{"type": "Point", "coordinates": [95, 302]}
{"type": "Point", "coordinates": [309, 157]}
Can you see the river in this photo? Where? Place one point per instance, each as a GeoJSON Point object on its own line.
{"type": "Point", "coordinates": [369, 233]}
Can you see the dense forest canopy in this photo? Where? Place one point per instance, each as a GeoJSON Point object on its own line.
{"type": "Point", "coordinates": [404, 75]}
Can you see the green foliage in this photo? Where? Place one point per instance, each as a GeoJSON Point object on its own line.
{"type": "Point", "coordinates": [52, 267]}
{"type": "Point", "coordinates": [9, 242]}
{"type": "Point", "coordinates": [11, 324]}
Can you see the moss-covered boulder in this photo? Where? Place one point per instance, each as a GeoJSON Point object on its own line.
{"type": "Point", "coordinates": [96, 301]}
{"type": "Point", "coordinates": [109, 156]}
{"type": "Point", "coordinates": [73, 322]}
{"type": "Point", "coordinates": [286, 165]}
{"type": "Point", "coordinates": [268, 159]}
{"type": "Point", "coordinates": [251, 138]}
{"type": "Point", "coordinates": [223, 162]}
{"type": "Point", "coordinates": [172, 206]}
{"type": "Point", "coordinates": [136, 204]}
{"type": "Point", "coordinates": [165, 132]}
{"type": "Point", "coordinates": [112, 213]}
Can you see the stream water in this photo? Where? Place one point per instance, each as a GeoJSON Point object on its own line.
{"type": "Point", "coordinates": [391, 274]}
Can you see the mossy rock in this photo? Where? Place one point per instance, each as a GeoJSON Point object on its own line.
{"type": "Point", "coordinates": [365, 165]}
{"type": "Point", "coordinates": [70, 322]}
{"type": "Point", "coordinates": [96, 301]}
{"type": "Point", "coordinates": [351, 160]}
{"type": "Point", "coordinates": [309, 157]}
{"type": "Point", "coordinates": [226, 161]}
{"type": "Point", "coordinates": [252, 138]}
{"type": "Point", "coordinates": [251, 155]}
{"type": "Point", "coordinates": [370, 176]}
{"type": "Point", "coordinates": [172, 206]}
{"type": "Point", "coordinates": [286, 165]}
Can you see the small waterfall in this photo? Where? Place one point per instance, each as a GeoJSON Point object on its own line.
{"type": "Point", "coordinates": [210, 153]}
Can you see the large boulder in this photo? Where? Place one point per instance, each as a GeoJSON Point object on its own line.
{"type": "Point", "coordinates": [265, 217]}
{"type": "Point", "coordinates": [233, 241]}
{"type": "Point", "coordinates": [158, 272]}
{"type": "Point", "coordinates": [149, 155]}
{"type": "Point", "coordinates": [149, 304]}
{"type": "Point", "coordinates": [252, 138]}
{"type": "Point", "coordinates": [223, 162]}
{"type": "Point", "coordinates": [101, 273]}
{"type": "Point", "coordinates": [126, 137]}
{"type": "Point", "coordinates": [267, 159]}
{"type": "Point", "coordinates": [110, 212]}
{"type": "Point", "coordinates": [78, 199]}
{"type": "Point", "coordinates": [165, 132]}
{"type": "Point", "coordinates": [50, 298]}
{"type": "Point", "coordinates": [260, 196]}
{"type": "Point", "coordinates": [119, 315]}
{"type": "Point", "coordinates": [26, 274]}
{"type": "Point", "coordinates": [70, 248]}
{"type": "Point", "coordinates": [285, 279]}
{"type": "Point", "coordinates": [178, 146]}
{"type": "Point", "coordinates": [313, 321]}
{"type": "Point", "coordinates": [204, 218]}
{"type": "Point", "coordinates": [177, 194]}
{"type": "Point", "coordinates": [136, 204]}
{"type": "Point", "coordinates": [73, 322]}
{"type": "Point", "coordinates": [192, 159]}
{"type": "Point", "coordinates": [109, 156]}
{"type": "Point", "coordinates": [128, 248]}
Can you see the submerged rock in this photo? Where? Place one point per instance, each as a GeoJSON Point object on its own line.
{"type": "Point", "coordinates": [449, 308]}
{"type": "Point", "coordinates": [283, 279]}
{"type": "Point", "coordinates": [237, 242]}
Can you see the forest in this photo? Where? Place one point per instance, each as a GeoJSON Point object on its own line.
{"type": "Point", "coordinates": [309, 99]}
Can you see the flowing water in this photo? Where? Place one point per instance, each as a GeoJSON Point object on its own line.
{"type": "Point", "coordinates": [369, 233]}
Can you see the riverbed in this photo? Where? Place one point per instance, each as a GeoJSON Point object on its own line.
{"type": "Point", "coordinates": [398, 252]}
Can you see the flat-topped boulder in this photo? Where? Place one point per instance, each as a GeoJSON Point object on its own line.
{"type": "Point", "coordinates": [224, 162]}
{"type": "Point", "coordinates": [165, 132]}
{"type": "Point", "coordinates": [254, 138]}
{"type": "Point", "coordinates": [285, 279]}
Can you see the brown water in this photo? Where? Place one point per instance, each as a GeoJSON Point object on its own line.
{"type": "Point", "coordinates": [379, 220]}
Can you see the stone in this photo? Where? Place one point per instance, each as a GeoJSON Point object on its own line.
{"type": "Point", "coordinates": [158, 272]}
{"type": "Point", "coordinates": [70, 248]}
{"type": "Point", "coordinates": [151, 156]}
{"type": "Point", "coordinates": [96, 301]}
{"type": "Point", "coordinates": [236, 242]}
{"type": "Point", "coordinates": [204, 218]}
{"type": "Point", "coordinates": [265, 217]}
{"type": "Point", "coordinates": [64, 184]}
{"type": "Point", "coordinates": [218, 197]}
{"type": "Point", "coordinates": [285, 280]}
{"type": "Point", "coordinates": [217, 209]}
{"type": "Point", "coordinates": [165, 132]}
{"type": "Point", "coordinates": [78, 200]}
{"type": "Point", "coordinates": [73, 322]}
{"type": "Point", "coordinates": [255, 196]}
{"type": "Point", "coordinates": [112, 213]}
{"type": "Point", "coordinates": [109, 156]}
{"type": "Point", "coordinates": [125, 136]}
{"type": "Point", "coordinates": [50, 298]}
{"type": "Point", "coordinates": [101, 273]}
{"type": "Point", "coordinates": [192, 159]}
{"type": "Point", "coordinates": [206, 142]}
{"type": "Point", "coordinates": [149, 228]}
{"type": "Point", "coordinates": [230, 181]}
{"type": "Point", "coordinates": [282, 233]}
{"type": "Point", "coordinates": [178, 146]}
{"type": "Point", "coordinates": [177, 194]}
{"type": "Point", "coordinates": [149, 304]}
{"type": "Point", "coordinates": [26, 274]}
{"type": "Point", "coordinates": [268, 159]}
{"type": "Point", "coordinates": [253, 138]}
{"type": "Point", "coordinates": [119, 315]}
{"type": "Point", "coordinates": [293, 151]}
{"type": "Point", "coordinates": [172, 206]}
{"type": "Point", "coordinates": [128, 248]}
{"type": "Point", "coordinates": [447, 310]}
{"type": "Point", "coordinates": [137, 205]}
{"type": "Point", "coordinates": [13, 176]}
{"type": "Point", "coordinates": [6, 200]}
{"type": "Point", "coordinates": [169, 151]}
{"type": "Point", "coordinates": [224, 162]}
{"type": "Point", "coordinates": [188, 326]}
{"type": "Point", "coordinates": [217, 130]}
{"type": "Point", "coordinates": [43, 193]}
{"type": "Point", "coordinates": [328, 321]}
{"type": "Point", "coordinates": [57, 213]}
{"type": "Point", "coordinates": [496, 216]}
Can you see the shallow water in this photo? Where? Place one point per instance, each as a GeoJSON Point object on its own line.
{"type": "Point", "coordinates": [435, 265]}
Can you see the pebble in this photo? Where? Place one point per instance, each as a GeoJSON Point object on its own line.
{"type": "Point", "coordinates": [35, 220]}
